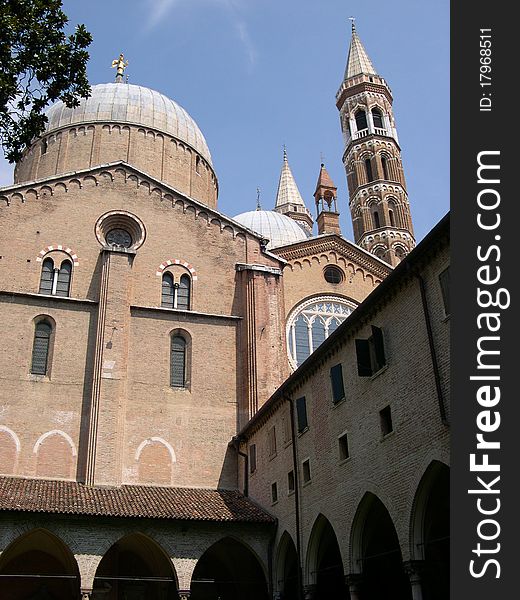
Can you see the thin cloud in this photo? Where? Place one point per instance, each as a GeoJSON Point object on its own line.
{"type": "Point", "coordinates": [160, 9]}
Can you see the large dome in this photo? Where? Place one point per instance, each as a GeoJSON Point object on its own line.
{"type": "Point", "coordinates": [279, 229]}
{"type": "Point", "coordinates": [132, 104]}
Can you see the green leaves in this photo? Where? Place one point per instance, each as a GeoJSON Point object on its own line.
{"type": "Point", "coordinates": [39, 64]}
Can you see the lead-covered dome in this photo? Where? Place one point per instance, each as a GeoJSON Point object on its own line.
{"type": "Point", "coordinates": [279, 229]}
{"type": "Point", "coordinates": [128, 123]}
{"type": "Point", "coordinates": [132, 104]}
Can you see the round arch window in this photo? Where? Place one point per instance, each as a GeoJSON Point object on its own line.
{"type": "Point", "coordinates": [311, 323]}
{"type": "Point", "coordinates": [119, 237]}
{"type": "Point", "coordinates": [333, 274]}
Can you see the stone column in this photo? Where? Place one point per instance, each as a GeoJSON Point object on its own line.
{"type": "Point", "coordinates": [414, 569]}
{"type": "Point", "coordinates": [353, 582]}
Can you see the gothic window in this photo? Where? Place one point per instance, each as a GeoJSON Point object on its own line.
{"type": "Point", "coordinates": [392, 218]}
{"type": "Point", "coordinates": [178, 362]}
{"type": "Point", "coordinates": [176, 293]}
{"type": "Point", "coordinates": [54, 281]}
{"type": "Point", "coordinates": [311, 323]}
{"type": "Point", "coordinates": [361, 120]}
{"type": "Point", "coordinates": [368, 168]}
{"type": "Point", "coordinates": [168, 291]}
{"type": "Point", "coordinates": [377, 117]}
{"type": "Point", "coordinates": [377, 223]}
{"type": "Point", "coordinates": [41, 347]}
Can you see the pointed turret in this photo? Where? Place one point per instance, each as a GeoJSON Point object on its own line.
{"type": "Point", "coordinates": [358, 61]}
{"type": "Point", "coordinates": [372, 158]}
{"type": "Point", "coordinates": [326, 206]}
{"type": "Point", "coordinates": [288, 198]}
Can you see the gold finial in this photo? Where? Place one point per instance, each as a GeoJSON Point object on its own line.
{"type": "Point", "coordinates": [120, 64]}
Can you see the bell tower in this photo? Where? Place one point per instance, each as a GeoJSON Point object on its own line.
{"type": "Point", "coordinates": [372, 158]}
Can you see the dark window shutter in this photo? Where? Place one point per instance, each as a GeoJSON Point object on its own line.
{"type": "Point", "coordinates": [183, 293]}
{"type": "Point", "coordinates": [363, 358]}
{"type": "Point", "coordinates": [178, 362]}
{"type": "Point", "coordinates": [252, 458]}
{"type": "Point", "coordinates": [361, 120]}
{"type": "Point", "coordinates": [167, 291]}
{"type": "Point", "coordinates": [444, 279]}
{"type": "Point", "coordinates": [41, 344]}
{"type": "Point", "coordinates": [301, 412]}
{"type": "Point", "coordinates": [379, 346]}
{"type": "Point", "coordinates": [47, 276]}
{"type": "Point", "coordinates": [338, 389]}
{"type": "Point", "coordinates": [63, 283]}
{"type": "Point", "coordinates": [378, 118]}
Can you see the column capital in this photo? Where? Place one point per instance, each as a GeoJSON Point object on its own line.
{"type": "Point", "coordinates": [86, 594]}
{"type": "Point", "coordinates": [414, 568]}
{"type": "Point", "coordinates": [354, 581]}
{"type": "Point", "coordinates": [184, 594]}
{"type": "Point", "coordinates": [309, 591]}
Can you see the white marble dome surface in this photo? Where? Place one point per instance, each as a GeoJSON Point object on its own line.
{"type": "Point", "coordinates": [134, 105]}
{"type": "Point", "coordinates": [277, 228]}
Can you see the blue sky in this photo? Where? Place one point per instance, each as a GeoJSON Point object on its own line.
{"type": "Point", "coordinates": [257, 74]}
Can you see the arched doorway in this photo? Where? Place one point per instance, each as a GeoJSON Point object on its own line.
{"type": "Point", "coordinates": [135, 568]}
{"type": "Point", "coordinates": [287, 569]}
{"type": "Point", "coordinates": [431, 531]}
{"type": "Point", "coordinates": [228, 570]}
{"type": "Point", "coordinates": [324, 563]}
{"type": "Point", "coordinates": [377, 553]}
{"type": "Point", "coordinates": [39, 566]}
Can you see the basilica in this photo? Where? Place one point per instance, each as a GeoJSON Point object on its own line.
{"type": "Point", "coordinates": [196, 405]}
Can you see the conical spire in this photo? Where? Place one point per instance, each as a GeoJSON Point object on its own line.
{"type": "Point", "coordinates": [358, 61]}
{"type": "Point", "coordinates": [288, 192]}
{"type": "Point", "coordinates": [324, 180]}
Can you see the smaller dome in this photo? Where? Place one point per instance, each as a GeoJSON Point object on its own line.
{"type": "Point", "coordinates": [279, 229]}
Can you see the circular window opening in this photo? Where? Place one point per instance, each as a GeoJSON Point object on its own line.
{"type": "Point", "coordinates": [119, 237]}
{"type": "Point", "coordinates": [333, 275]}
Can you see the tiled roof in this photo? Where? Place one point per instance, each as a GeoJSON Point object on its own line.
{"type": "Point", "coordinates": [70, 497]}
{"type": "Point", "coordinates": [288, 192]}
{"type": "Point", "coordinates": [358, 61]}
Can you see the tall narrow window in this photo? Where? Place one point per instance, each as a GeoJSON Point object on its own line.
{"type": "Point", "coordinates": [183, 293]}
{"type": "Point", "coordinates": [368, 168]}
{"type": "Point", "coordinates": [168, 292]}
{"type": "Point", "coordinates": [377, 223]}
{"type": "Point", "coordinates": [252, 458]}
{"type": "Point", "coordinates": [301, 412]}
{"type": "Point", "coordinates": [338, 388]}
{"type": "Point", "coordinates": [392, 218]}
{"type": "Point", "coordinates": [444, 280]}
{"type": "Point", "coordinates": [377, 116]}
{"type": "Point", "coordinates": [47, 276]}
{"type": "Point", "coordinates": [384, 164]}
{"type": "Point", "coordinates": [197, 165]}
{"type": "Point", "coordinates": [41, 346]}
{"type": "Point", "coordinates": [361, 120]}
{"type": "Point", "coordinates": [63, 279]}
{"type": "Point", "coordinates": [178, 362]}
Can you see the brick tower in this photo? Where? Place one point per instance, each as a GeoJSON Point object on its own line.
{"type": "Point", "coordinates": [378, 198]}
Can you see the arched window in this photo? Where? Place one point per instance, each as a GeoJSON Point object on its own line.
{"type": "Point", "coordinates": [361, 120]}
{"type": "Point", "coordinates": [168, 291]}
{"type": "Point", "coordinates": [392, 218]}
{"type": "Point", "coordinates": [377, 117]}
{"type": "Point", "coordinates": [183, 293]}
{"type": "Point", "coordinates": [384, 164]}
{"type": "Point", "coordinates": [176, 294]}
{"type": "Point", "coordinates": [368, 167]}
{"type": "Point", "coordinates": [41, 347]}
{"type": "Point", "coordinates": [178, 362]}
{"type": "Point", "coordinates": [197, 165]}
{"type": "Point", "coordinates": [47, 276]}
{"type": "Point", "coordinates": [377, 223]}
{"type": "Point", "coordinates": [54, 281]}
{"type": "Point", "coordinates": [63, 279]}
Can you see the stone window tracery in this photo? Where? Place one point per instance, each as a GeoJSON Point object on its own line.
{"type": "Point", "coordinates": [311, 323]}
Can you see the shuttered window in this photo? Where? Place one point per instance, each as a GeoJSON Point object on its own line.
{"type": "Point", "coordinates": [47, 276]}
{"type": "Point", "coordinates": [178, 362]}
{"type": "Point", "coordinates": [41, 345]}
{"type": "Point", "coordinates": [63, 281]}
{"type": "Point", "coordinates": [361, 120]}
{"type": "Point", "coordinates": [252, 458]}
{"type": "Point", "coordinates": [371, 353]}
{"type": "Point", "coordinates": [338, 389]}
{"type": "Point", "coordinates": [378, 118]}
{"type": "Point", "coordinates": [167, 296]}
{"type": "Point", "coordinates": [444, 280]}
{"type": "Point", "coordinates": [301, 413]}
{"type": "Point", "coordinates": [271, 441]}
{"type": "Point", "coordinates": [183, 293]}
